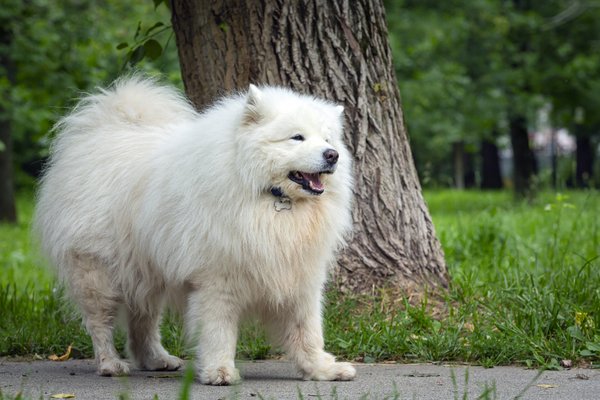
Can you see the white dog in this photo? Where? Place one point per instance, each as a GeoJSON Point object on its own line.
{"type": "Point", "coordinates": [234, 212]}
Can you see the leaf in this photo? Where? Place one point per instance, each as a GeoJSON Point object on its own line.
{"type": "Point", "coordinates": [153, 27]}
{"type": "Point", "coordinates": [575, 332]}
{"type": "Point", "coordinates": [159, 2]}
{"type": "Point", "coordinates": [592, 346]}
{"type": "Point", "coordinates": [546, 386]}
{"type": "Point", "coordinates": [137, 31]}
{"type": "Point", "coordinates": [122, 45]}
{"type": "Point", "coordinates": [136, 55]}
{"type": "Point", "coordinates": [63, 396]}
{"type": "Point", "coordinates": [153, 49]}
{"type": "Point", "coordinates": [64, 357]}
{"type": "Point", "coordinates": [224, 27]}
{"type": "Point", "coordinates": [566, 363]}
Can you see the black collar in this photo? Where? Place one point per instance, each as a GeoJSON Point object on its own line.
{"type": "Point", "coordinates": [277, 192]}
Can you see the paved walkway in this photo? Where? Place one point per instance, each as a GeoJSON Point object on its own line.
{"type": "Point", "coordinates": [279, 380]}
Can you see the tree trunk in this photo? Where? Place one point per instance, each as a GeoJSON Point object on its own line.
{"type": "Point", "coordinates": [458, 156]}
{"type": "Point", "coordinates": [523, 158]}
{"type": "Point", "coordinates": [464, 169]}
{"type": "Point", "coordinates": [585, 161]}
{"type": "Point", "coordinates": [469, 176]}
{"type": "Point", "coordinates": [337, 50]}
{"type": "Point", "coordinates": [8, 212]}
{"type": "Point", "coordinates": [491, 177]}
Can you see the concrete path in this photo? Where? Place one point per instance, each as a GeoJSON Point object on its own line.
{"type": "Point", "coordinates": [279, 380]}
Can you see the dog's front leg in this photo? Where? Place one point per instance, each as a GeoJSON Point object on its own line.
{"type": "Point", "coordinates": [213, 320]}
{"type": "Point", "coordinates": [299, 331]}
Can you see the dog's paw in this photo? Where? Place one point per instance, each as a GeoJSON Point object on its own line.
{"type": "Point", "coordinates": [113, 367]}
{"type": "Point", "coordinates": [221, 376]}
{"type": "Point", "coordinates": [336, 371]}
{"type": "Point", "coordinates": [163, 363]}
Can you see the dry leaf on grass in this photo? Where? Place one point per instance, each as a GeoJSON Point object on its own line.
{"type": "Point", "coordinates": [566, 363]}
{"type": "Point", "coordinates": [64, 357]}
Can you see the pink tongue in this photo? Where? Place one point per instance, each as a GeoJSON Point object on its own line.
{"type": "Point", "coordinates": [314, 182]}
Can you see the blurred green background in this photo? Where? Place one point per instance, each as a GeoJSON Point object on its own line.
{"type": "Point", "coordinates": [469, 72]}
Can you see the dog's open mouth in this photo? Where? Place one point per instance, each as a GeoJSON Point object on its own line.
{"type": "Point", "coordinates": [310, 182]}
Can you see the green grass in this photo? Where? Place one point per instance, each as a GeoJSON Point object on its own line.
{"type": "Point", "coordinates": [525, 289]}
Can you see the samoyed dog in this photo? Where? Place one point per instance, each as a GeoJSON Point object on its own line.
{"type": "Point", "coordinates": [232, 213]}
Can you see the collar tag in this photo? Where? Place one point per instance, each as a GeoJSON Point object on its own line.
{"type": "Point", "coordinates": [282, 203]}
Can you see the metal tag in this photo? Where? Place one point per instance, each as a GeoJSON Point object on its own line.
{"type": "Point", "coordinates": [282, 203]}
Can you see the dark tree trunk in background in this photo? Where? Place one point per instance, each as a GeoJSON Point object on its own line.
{"type": "Point", "coordinates": [337, 50]}
{"type": "Point", "coordinates": [491, 176]}
{"type": "Point", "coordinates": [458, 157]}
{"type": "Point", "coordinates": [8, 212]}
{"type": "Point", "coordinates": [524, 165]}
{"type": "Point", "coordinates": [464, 166]}
{"type": "Point", "coordinates": [469, 176]}
{"type": "Point", "coordinates": [584, 157]}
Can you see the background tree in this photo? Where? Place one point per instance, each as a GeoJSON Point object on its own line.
{"type": "Point", "coordinates": [522, 59]}
{"type": "Point", "coordinates": [340, 51]}
{"type": "Point", "coordinates": [8, 212]}
{"type": "Point", "coordinates": [475, 71]}
{"type": "Point", "coordinates": [58, 50]}
{"type": "Point", "coordinates": [570, 76]}
{"type": "Point", "coordinates": [453, 83]}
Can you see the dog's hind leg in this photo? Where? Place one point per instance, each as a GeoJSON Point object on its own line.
{"type": "Point", "coordinates": [144, 337]}
{"type": "Point", "coordinates": [99, 301]}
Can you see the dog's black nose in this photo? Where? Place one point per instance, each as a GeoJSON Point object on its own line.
{"type": "Point", "coordinates": [331, 156]}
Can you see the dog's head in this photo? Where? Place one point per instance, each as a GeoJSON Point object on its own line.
{"type": "Point", "coordinates": [293, 142]}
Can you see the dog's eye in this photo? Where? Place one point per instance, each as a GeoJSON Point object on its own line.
{"type": "Point", "coordinates": [298, 137]}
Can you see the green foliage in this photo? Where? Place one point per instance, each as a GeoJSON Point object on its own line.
{"type": "Point", "coordinates": [464, 66]}
{"type": "Point", "coordinates": [61, 49]}
{"type": "Point", "coordinates": [145, 44]}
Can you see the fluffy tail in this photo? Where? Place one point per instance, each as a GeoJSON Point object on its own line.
{"type": "Point", "coordinates": [131, 100]}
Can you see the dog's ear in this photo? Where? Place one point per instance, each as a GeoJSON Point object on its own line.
{"type": "Point", "coordinates": [252, 114]}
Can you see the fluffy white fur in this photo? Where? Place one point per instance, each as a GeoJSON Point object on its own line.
{"type": "Point", "coordinates": [145, 201]}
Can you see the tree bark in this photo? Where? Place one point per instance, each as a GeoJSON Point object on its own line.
{"type": "Point", "coordinates": [8, 212]}
{"type": "Point", "coordinates": [491, 177]}
{"type": "Point", "coordinates": [338, 50]}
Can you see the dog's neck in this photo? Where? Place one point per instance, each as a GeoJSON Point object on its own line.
{"type": "Point", "coordinates": [282, 202]}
